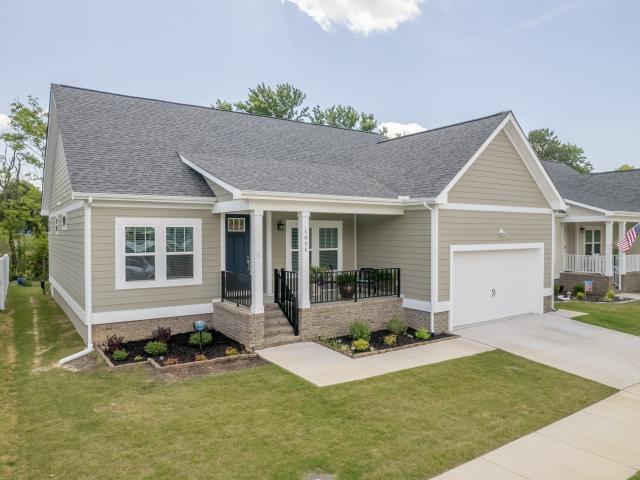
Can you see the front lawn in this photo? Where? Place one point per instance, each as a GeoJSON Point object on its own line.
{"type": "Point", "coordinates": [622, 317]}
{"type": "Point", "coordinates": [260, 422]}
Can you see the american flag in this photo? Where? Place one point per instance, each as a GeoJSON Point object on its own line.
{"type": "Point", "coordinates": [626, 243]}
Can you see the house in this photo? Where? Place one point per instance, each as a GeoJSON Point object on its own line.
{"type": "Point", "coordinates": [274, 230]}
{"type": "Point", "coordinates": [601, 207]}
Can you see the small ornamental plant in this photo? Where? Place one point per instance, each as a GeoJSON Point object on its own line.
{"type": "Point", "coordinates": [580, 295]}
{"type": "Point", "coordinates": [200, 357]}
{"type": "Point", "coordinates": [578, 288]}
{"type": "Point", "coordinates": [161, 334]}
{"type": "Point", "coordinates": [200, 339]}
{"type": "Point", "coordinates": [113, 343]}
{"type": "Point", "coordinates": [155, 348]}
{"type": "Point", "coordinates": [422, 334]}
{"type": "Point", "coordinates": [120, 355]}
{"type": "Point", "coordinates": [390, 340]}
{"type": "Point", "coordinates": [611, 295]}
{"type": "Point", "coordinates": [231, 351]}
{"type": "Point", "coordinates": [138, 358]}
{"type": "Point", "coordinates": [360, 345]}
{"type": "Point", "coordinates": [397, 326]}
{"type": "Point", "coordinates": [360, 330]}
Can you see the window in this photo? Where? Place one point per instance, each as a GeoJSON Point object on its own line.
{"type": "Point", "coordinates": [236, 225]}
{"type": "Point", "coordinates": [158, 252]}
{"type": "Point", "coordinates": [55, 224]}
{"type": "Point", "coordinates": [592, 241]}
{"type": "Point", "coordinates": [326, 235]}
{"type": "Point", "coordinates": [139, 243]}
{"type": "Point", "coordinates": [179, 252]}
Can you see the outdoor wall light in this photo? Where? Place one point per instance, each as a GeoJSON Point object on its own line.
{"type": "Point", "coordinates": [502, 232]}
{"type": "Point", "coordinates": [581, 229]}
{"type": "Point", "coordinates": [280, 226]}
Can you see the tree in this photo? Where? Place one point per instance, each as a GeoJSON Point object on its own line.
{"type": "Point", "coordinates": [625, 167]}
{"type": "Point", "coordinates": [548, 147]}
{"type": "Point", "coordinates": [287, 101]}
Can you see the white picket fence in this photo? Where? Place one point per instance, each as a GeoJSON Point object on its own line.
{"type": "Point", "coordinates": [4, 279]}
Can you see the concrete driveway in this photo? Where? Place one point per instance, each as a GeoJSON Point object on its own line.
{"type": "Point", "coordinates": [603, 355]}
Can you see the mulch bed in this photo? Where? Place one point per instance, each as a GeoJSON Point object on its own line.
{"type": "Point", "coordinates": [178, 347]}
{"type": "Point", "coordinates": [377, 342]}
{"type": "Point", "coordinates": [596, 299]}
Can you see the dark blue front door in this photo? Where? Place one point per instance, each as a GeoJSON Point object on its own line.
{"type": "Point", "coordinates": [237, 243]}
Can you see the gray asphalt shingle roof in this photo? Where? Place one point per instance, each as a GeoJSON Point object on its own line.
{"type": "Point", "coordinates": [122, 144]}
{"type": "Point", "coordinates": [614, 191]}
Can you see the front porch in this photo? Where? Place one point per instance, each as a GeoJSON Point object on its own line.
{"type": "Point", "coordinates": [296, 275]}
{"type": "Point", "coordinates": [588, 251]}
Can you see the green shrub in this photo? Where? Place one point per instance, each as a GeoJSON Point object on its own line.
{"type": "Point", "coordinates": [390, 340]}
{"type": "Point", "coordinates": [422, 334]}
{"type": "Point", "coordinates": [155, 348]}
{"type": "Point", "coordinates": [579, 288]}
{"type": "Point", "coordinates": [120, 355]}
{"type": "Point", "coordinates": [200, 339]}
{"type": "Point", "coordinates": [610, 295]}
{"type": "Point", "coordinates": [170, 361]}
{"type": "Point", "coordinates": [360, 345]}
{"type": "Point", "coordinates": [200, 357]}
{"type": "Point", "coordinates": [397, 325]}
{"type": "Point", "coordinates": [580, 295]}
{"type": "Point", "coordinates": [360, 330]}
{"type": "Point", "coordinates": [138, 358]}
{"type": "Point", "coordinates": [556, 290]}
{"type": "Point", "coordinates": [231, 351]}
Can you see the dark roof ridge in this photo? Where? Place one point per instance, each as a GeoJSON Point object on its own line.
{"type": "Point", "coordinates": [183, 104]}
{"type": "Point", "coordinates": [446, 126]}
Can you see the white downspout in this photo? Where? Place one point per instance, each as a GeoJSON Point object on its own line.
{"type": "Point", "coordinates": [433, 268]}
{"type": "Point", "coordinates": [88, 284]}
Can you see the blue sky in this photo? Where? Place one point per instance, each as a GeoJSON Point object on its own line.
{"type": "Point", "coordinates": [573, 65]}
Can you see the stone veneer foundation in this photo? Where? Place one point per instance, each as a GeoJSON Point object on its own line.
{"type": "Point", "coordinates": [601, 284]}
{"type": "Point", "coordinates": [631, 282]}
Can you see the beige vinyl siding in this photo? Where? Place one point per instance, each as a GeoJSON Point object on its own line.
{"type": "Point", "coordinates": [66, 256]}
{"type": "Point", "coordinates": [498, 177]}
{"type": "Point", "coordinates": [60, 182]}
{"type": "Point", "coordinates": [279, 238]}
{"type": "Point", "coordinates": [458, 227]}
{"type": "Point", "coordinates": [570, 238]}
{"type": "Point", "coordinates": [402, 241]}
{"type": "Point", "coordinates": [105, 296]}
{"type": "Point", "coordinates": [582, 212]}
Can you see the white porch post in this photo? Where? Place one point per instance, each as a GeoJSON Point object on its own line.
{"type": "Point", "coordinates": [257, 305]}
{"type": "Point", "coordinates": [268, 260]}
{"type": "Point", "coordinates": [608, 245]}
{"type": "Point", "coordinates": [622, 263]}
{"type": "Point", "coordinates": [303, 260]}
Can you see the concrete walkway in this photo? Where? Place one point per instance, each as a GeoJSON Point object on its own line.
{"type": "Point", "coordinates": [601, 442]}
{"type": "Point", "coordinates": [322, 366]}
{"type": "Point", "coordinates": [600, 354]}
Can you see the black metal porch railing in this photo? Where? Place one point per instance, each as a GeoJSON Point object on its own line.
{"type": "Point", "coordinates": [236, 288]}
{"type": "Point", "coordinates": [285, 286]}
{"type": "Point", "coordinates": [352, 285]}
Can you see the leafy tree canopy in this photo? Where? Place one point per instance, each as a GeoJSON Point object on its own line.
{"type": "Point", "coordinates": [625, 167]}
{"type": "Point", "coordinates": [548, 147]}
{"type": "Point", "coordinates": [287, 101]}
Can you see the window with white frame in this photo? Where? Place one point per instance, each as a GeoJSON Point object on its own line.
{"type": "Point", "coordinates": [325, 244]}
{"type": "Point", "coordinates": [592, 241]}
{"type": "Point", "coordinates": [158, 252]}
{"type": "Point", "coordinates": [236, 224]}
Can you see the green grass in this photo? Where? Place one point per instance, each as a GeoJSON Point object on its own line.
{"type": "Point", "coordinates": [621, 317]}
{"type": "Point", "coordinates": [260, 422]}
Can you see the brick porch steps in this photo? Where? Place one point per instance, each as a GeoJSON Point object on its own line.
{"type": "Point", "coordinates": [277, 329]}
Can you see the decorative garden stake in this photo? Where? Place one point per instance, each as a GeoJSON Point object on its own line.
{"type": "Point", "coordinates": [200, 326]}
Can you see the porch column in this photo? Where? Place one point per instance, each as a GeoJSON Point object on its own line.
{"type": "Point", "coordinates": [268, 261]}
{"type": "Point", "coordinates": [303, 260]}
{"type": "Point", "coordinates": [257, 305]}
{"type": "Point", "coordinates": [608, 246]}
{"type": "Point", "coordinates": [622, 264]}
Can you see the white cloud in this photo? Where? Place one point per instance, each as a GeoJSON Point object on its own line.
{"type": "Point", "coordinates": [541, 19]}
{"type": "Point", "coordinates": [4, 121]}
{"type": "Point", "coordinates": [360, 16]}
{"type": "Point", "coordinates": [395, 129]}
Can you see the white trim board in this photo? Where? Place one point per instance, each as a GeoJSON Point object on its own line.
{"type": "Point", "coordinates": [75, 307]}
{"type": "Point", "coordinates": [494, 208]}
{"type": "Point", "coordinates": [118, 316]}
{"type": "Point", "coordinates": [424, 305]}
{"type": "Point", "coordinates": [65, 208]}
{"type": "Point", "coordinates": [235, 192]}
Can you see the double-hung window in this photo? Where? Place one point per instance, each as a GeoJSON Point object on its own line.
{"type": "Point", "coordinates": [592, 241]}
{"type": "Point", "coordinates": [325, 244]}
{"type": "Point", "coordinates": [158, 252]}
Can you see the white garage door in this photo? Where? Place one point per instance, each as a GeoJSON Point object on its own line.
{"type": "Point", "coordinates": [493, 284]}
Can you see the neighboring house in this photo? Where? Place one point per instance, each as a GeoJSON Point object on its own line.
{"type": "Point", "coordinates": [601, 208]}
{"type": "Point", "coordinates": [163, 213]}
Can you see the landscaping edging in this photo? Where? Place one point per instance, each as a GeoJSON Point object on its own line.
{"type": "Point", "coordinates": [209, 361]}
{"type": "Point", "coordinates": [106, 358]}
{"type": "Point", "coordinates": [350, 353]}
